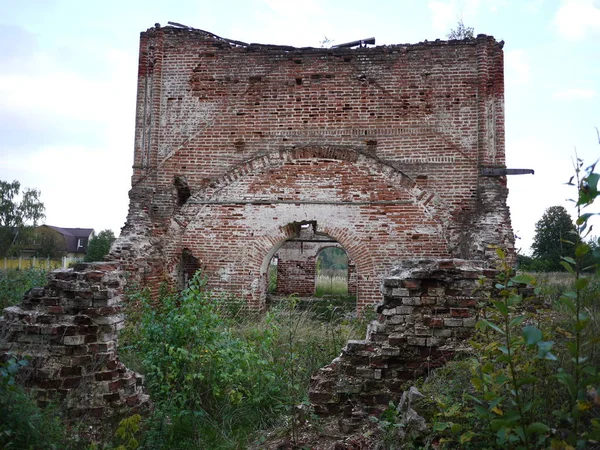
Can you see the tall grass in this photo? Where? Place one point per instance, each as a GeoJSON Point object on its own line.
{"type": "Point", "coordinates": [218, 378]}
{"type": "Point", "coordinates": [335, 285]}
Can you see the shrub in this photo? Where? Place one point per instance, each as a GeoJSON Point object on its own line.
{"type": "Point", "coordinates": [23, 423]}
{"type": "Point", "coordinates": [14, 283]}
{"type": "Point", "coordinates": [209, 385]}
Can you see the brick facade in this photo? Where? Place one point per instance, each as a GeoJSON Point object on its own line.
{"type": "Point", "coordinates": [381, 148]}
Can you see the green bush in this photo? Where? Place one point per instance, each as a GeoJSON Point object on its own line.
{"type": "Point", "coordinates": [14, 283]}
{"type": "Point", "coordinates": [534, 375]}
{"type": "Point", "coordinates": [23, 424]}
{"type": "Point", "coordinates": [209, 385]}
{"type": "Point", "coordinates": [217, 373]}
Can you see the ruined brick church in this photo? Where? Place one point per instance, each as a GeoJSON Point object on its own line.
{"type": "Point", "coordinates": [381, 151]}
{"type": "Point", "coordinates": [244, 152]}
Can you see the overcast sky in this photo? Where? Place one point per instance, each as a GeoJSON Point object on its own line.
{"type": "Point", "coordinates": [68, 74]}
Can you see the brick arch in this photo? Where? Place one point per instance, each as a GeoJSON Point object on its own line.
{"type": "Point", "coordinates": [330, 246]}
{"type": "Point", "coordinates": [266, 246]}
{"type": "Point", "coordinates": [233, 224]}
{"type": "Point", "coordinates": [431, 203]}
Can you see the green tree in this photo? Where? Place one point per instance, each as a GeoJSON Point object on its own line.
{"type": "Point", "coordinates": [49, 243]}
{"type": "Point", "coordinates": [461, 31]}
{"type": "Point", "coordinates": [18, 219]}
{"type": "Point", "coordinates": [554, 237]}
{"type": "Point", "coordinates": [99, 246]}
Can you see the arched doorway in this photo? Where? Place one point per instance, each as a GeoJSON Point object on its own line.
{"type": "Point", "coordinates": [335, 273]}
{"type": "Point", "coordinates": [310, 265]}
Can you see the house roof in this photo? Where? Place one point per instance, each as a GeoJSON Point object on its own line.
{"type": "Point", "coordinates": [72, 235]}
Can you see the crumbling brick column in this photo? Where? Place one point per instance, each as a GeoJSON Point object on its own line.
{"type": "Point", "coordinates": [69, 331]}
{"type": "Point", "coordinates": [429, 309]}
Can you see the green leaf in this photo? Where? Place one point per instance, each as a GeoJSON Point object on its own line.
{"type": "Point", "coordinates": [581, 250]}
{"type": "Point", "coordinates": [514, 299]}
{"type": "Point", "coordinates": [566, 379]}
{"type": "Point", "coordinates": [483, 412]}
{"type": "Point", "coordinates": [526, 406]}
{"type": "Point", "coordinates": [581, 283]}
{"type": "Point", "coordinates": [466, 437]}
{"type": "Point", "coordinates": [532, 335]}
{"type": "Point", "coordinates": [568, 302]}
{"type": "Point", "coordinates": [512, 415]}
{"type": "Point", "coordinates": [456, 428]}
{"type": "Point", "coordinates": [503, 358]}
{"type": "Point", "coordinates": [572, 346]}
{"type": "Point", "coordinates": [493, 326]}
{"type": "Point", "coordinates": [517, 320]}
{"type": "Point", "coordinates": [567, 267]}
{"type": "Point", "coordinates": [526, 380]}
{"type": "Point", "coordinates": [496, 424]}
{"type": "Point", "coordinates": [500, 306]}
{"type": "Point", "coordinates": [537, 427]}
{"type": "Point", "coordinates": [523, 278]}
{"type": "Point", "coordinates": [589, 370]}
{"type": "Point", "coordinates": [544, 347]}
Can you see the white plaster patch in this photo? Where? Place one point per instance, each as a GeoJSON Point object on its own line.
{"type": "Point", "coordinates": [225, 273]}
{"type": "Point", "coordinates": [184, 118]}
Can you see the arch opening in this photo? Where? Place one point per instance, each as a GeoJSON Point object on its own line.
{"type": "Point", "coordinates": [186, 268]}
{"type": "Point", "coordinates": [312, 266]}
{"type": "Point", "coordinates": [335, 273]}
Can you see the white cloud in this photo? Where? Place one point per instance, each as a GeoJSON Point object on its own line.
{"type": "Point", "coordinates": [443, 15]}
{"type": "Point", "coordinates": [518, 67]}
{"type": "Point", "coordinates": [289, 23]}
{"type": "Point", "coordinates": [575, 18]}
{"type": "Point", "coordinates": [69, 95]}
{"type": "Point", "coordinates": [86, 184]}
{"type": "Point", "coordinates": [80, 186]}
{"type": "Point", "coordinates": [446, 13]}
{"type": "Point", "coordinates": [533, 6]}
{"type": "Point", "coordinates": [575, 94]}
{"type": "Point", "coordinates": [291, 8]}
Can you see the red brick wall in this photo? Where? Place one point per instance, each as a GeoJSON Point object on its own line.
{"type": "Point", "coordinates": [381, 147]}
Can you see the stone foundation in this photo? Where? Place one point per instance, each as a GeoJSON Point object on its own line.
{"type": "Point", "coordinates": [69, 332]}
{"type": "Point", "coordinates": [429, 310]}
